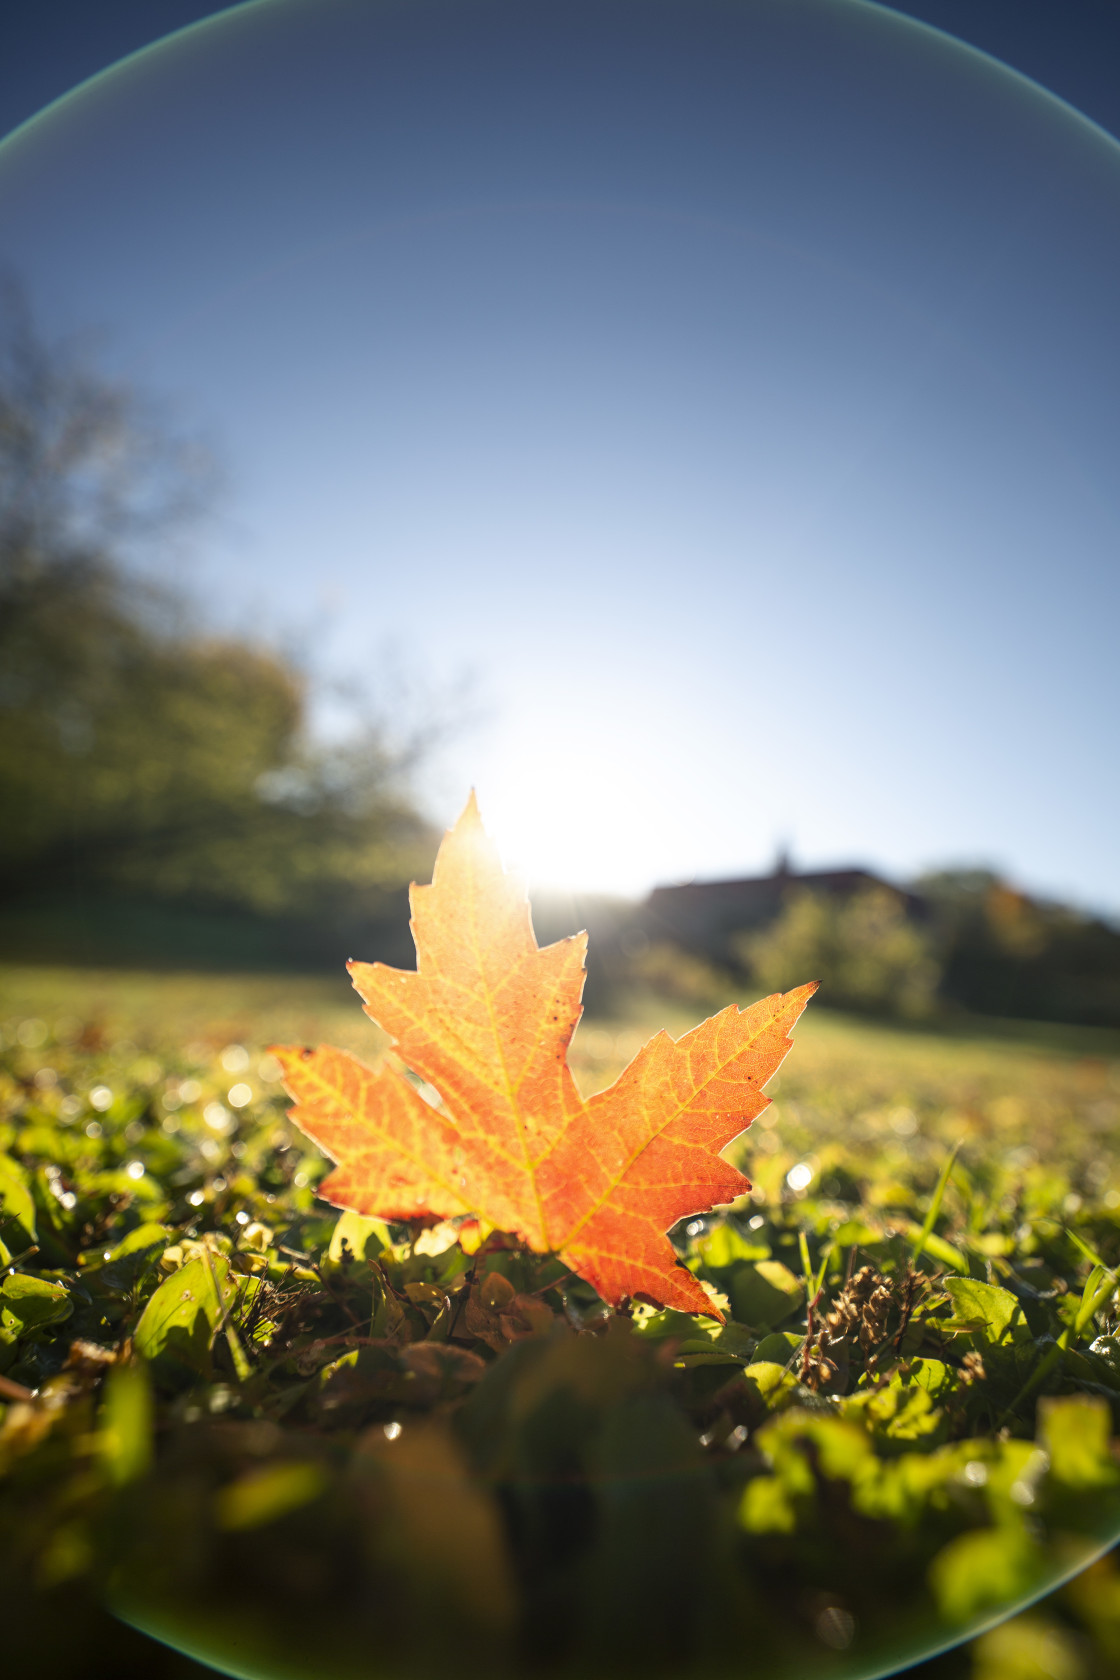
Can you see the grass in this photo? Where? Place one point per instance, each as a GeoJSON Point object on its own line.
{"type": "Point", "coordinates": [867, 1113]}
{"type": "Point", "coordinates": [160, 1011]}
{"type": "Point", "coordinates": [984, 1072]}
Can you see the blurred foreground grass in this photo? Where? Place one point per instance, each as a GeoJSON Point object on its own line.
{"type": "Point", "coordinates": [1037, 1109]}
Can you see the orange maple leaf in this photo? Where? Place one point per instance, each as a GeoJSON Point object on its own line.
{"type": "Point", "coordinates": [486, 1020]}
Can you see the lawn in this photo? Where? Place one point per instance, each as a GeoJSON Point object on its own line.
{"type": "Point", "coordinates": [1055, 1088]}
{"type": "Point", "coordinates": [164, 1077]}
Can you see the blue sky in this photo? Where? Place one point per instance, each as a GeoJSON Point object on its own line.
{"type": "Point", "coordinates": [730, 388]}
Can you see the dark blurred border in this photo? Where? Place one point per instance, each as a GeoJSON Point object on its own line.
{"type": "Point", "coordinates": [1071, 47]}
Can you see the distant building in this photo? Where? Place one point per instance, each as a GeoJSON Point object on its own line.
{"type": "Point", "coordinates": [702, 916]}
{"type": "Point", "coordinates": [1001, 951]}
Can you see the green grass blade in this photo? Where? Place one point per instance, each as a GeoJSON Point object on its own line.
{"type": "Point", "coordinates": [806, 1265]}
{"type": "Point", "coordinates": [935, 1204]}
{"type": "Point", "coordinates": [1099, 1285]}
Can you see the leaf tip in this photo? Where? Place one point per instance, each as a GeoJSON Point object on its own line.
{"type": "Point", "coordinates": [799, 996]}
{"type": "Point", "coordinates": [470, 815]}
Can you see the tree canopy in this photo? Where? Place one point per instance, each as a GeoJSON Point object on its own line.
{"type": "Point", "coordinates": [139, 752]}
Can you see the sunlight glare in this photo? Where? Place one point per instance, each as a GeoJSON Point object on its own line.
{"type": "Point", "coordinates": [586, 826]}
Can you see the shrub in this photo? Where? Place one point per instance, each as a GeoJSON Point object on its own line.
{"type": "Point", "coordinates": [864, 950]}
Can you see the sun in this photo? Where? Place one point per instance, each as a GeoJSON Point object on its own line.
{"type": "Point", "coordinates": [589, 827]}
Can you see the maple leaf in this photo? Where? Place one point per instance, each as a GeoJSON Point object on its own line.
{"type": "Point", "coordinates": [485, 1021]}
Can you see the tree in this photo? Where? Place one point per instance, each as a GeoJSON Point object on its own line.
{"type": "Point", "coordinates": [137, 752]}
{"type": "Point", "coordinates": [1006, 953]}
{"type": "Point", "coordinates": [866, 953]}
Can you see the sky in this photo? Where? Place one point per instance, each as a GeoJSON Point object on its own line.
{"type": "Point", "coordinates": [723, 392]}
